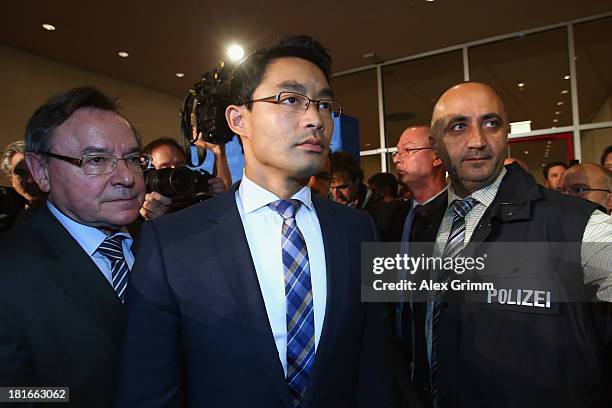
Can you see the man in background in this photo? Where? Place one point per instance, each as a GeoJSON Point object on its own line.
{"type": "Point", "coordinates": [553, 173]}
{"type": "Point", "coordinates": [589, 181]}
{"type": "Point", "coordinates": [166, 153]}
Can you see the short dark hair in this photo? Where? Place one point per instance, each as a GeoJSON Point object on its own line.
{"type": "Point", "coordinates": [247, 76]}
{"type": "Point", "coordinates": [384, 181]}
{"type": "Point", "coordinates": [164, 141]}
{"type": "Point", "coordinates": [605, 154]}
{"type": "Point", "coordinates": [345, 162]}
{"type": "Point", "coordinates": [550, 165]}
{"type": "Point", "coordinates": [57, 109]}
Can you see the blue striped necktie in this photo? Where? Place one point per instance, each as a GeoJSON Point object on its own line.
{"type": "Point", "coordinates": [454, 245]}
{"type": "Point", "coordinates": [112, 249]}
{"type": "Point", "coordinates": [298, 294]}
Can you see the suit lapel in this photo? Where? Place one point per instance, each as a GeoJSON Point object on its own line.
{"type": "Point", "coordinates": [74, 271]}
{"type": "Point", "coordinates": [239, 273]}
{"type": "Point", "coordinates": [336, 259]}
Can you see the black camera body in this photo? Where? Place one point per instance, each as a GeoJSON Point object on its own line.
{"type": "Point", "coordinates": [182, 184]}
{"type": "Point", "coordinates": [204, 108]}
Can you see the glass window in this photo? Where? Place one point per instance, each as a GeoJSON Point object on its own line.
{"type": "Point", "coordinates": [411, 88]}
{"type": "Point", "coordinates": [531, 74]}
{"type": "Point", "coordinates": [370, 165]}
{"type": "Point", "coordinates": [358, 94]}
{"type": "Point", "coordinates": [537, 151]}
{"type": "Point", "coordinates": [593, 45]}
{"type": "Point", "coordinates": [593, 143]}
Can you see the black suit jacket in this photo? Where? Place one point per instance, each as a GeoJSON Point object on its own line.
{"type": "Point", "coordinates": [198, 334]}
{"type": "Point", "coordinates": [59, 316]}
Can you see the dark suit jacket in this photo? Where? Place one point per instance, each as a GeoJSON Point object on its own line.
{"type": "Point", "coordinates": [59, 316]}
{"type": "Point", "coordinates": [198, 334]}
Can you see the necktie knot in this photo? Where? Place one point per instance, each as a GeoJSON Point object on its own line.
{"type": "Point", "coordinates": [463, 207]}
{"type": "Point", "coordinates": [112, 247]}
{"type": "Point", "coordinates": [286, 208]}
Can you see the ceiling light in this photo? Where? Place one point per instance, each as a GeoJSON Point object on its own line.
{"type": "Point", "coordinates": [521, 84]}
{"type": "Point", "coordinates": [48, 27]}
{"type": "Point", "coordinates": [123, 54]}
{"type": "Point", "coordinates": [560, 103]}
{"type": "Point", "coordinates": [179, 75]}
{"type": "Point", "coordinates": [549, 142]}
{"type": "Point", "coordinates": [555, 120]}
{"type": "Point", "coordinates": [564, 91]}
{"type": "Point", "coordinates": [566, 77]}
{"type": "Point", "coordinates": [235, 52]}
{"type": "Point", "coordinates": [429, 1]}
{"type": "Point", "coordinates": [557, 112]}
{"type": "Point", "coordinates": [526, 151]}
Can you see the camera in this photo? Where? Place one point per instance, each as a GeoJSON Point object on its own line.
{"type": "Point", "coordinates": [204, 108]}
{"type": "Point", "coordinates": [182, 184]}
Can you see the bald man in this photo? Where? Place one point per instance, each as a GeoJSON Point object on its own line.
{"type": "Point", "coordinates": [505, 346]}
{"type": "Point", "coordinates": [418, 166]}
{"type": "Point", "coordinates": [591, 182]}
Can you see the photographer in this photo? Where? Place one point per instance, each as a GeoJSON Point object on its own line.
{"type": "Point", "coordinates": [167, 153]}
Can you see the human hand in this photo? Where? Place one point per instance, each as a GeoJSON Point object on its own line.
{"type": "Point", "coordinates": [155, 205]}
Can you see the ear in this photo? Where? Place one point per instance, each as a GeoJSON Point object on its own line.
{"type": "Point", "coordinates": [236, 119]}
{"type": "Point", "coordinates": [39, 171]}
{"type": "Point", "coordinates": [437, 160]}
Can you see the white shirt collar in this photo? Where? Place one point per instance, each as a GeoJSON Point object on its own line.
{"type": "Point", "coordinates": [485, 195]}
{"type": "Point", "coordinates": [254, 197]}
{"type": "Point", "coordinates": [89, 238]}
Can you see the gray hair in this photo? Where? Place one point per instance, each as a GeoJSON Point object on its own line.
{"type": "Point", "coordinates": [10, 151]}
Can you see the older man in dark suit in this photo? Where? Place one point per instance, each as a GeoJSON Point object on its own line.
{"type": "Point", "coordinates": [64, 270]}
{"type": "Point", "coordinates": [252, 299]}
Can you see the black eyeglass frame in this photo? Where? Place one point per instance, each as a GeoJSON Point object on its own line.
{"type": "Point", "coordinates": [584, 190]}
{"type": "Point", "coordinates": [276, 99]}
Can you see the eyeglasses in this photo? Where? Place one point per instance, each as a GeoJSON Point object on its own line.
{"type": "Point", "coordinates": [579, 191]}
{"type": "Point", "coordinates": [409, 152]}
{"type": "Point", "coordinates": [300, 103]}
{"type": "Point", "coordinates": [99, 164]}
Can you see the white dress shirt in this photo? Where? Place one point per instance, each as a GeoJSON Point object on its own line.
{"type": "Point", "coordinates": [263, 227]}
{"type": "Point", "coordinates": [90, 238]}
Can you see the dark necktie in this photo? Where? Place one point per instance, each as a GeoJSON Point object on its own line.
{"type": "Point", "coordinates": [298, 294]}
{"type": "Point", "coordinates": [454, 245]}
{"type": "Point", "coordinates": [112, 249]}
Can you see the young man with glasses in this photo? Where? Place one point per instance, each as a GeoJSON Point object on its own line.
{"type": "Point", "coordinates": [64, 271]}
{"type": "Point", "coordinates": [252, 298]}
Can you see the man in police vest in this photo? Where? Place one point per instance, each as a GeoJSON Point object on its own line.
{"type": "Point", "coordinates": [531, 340]}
